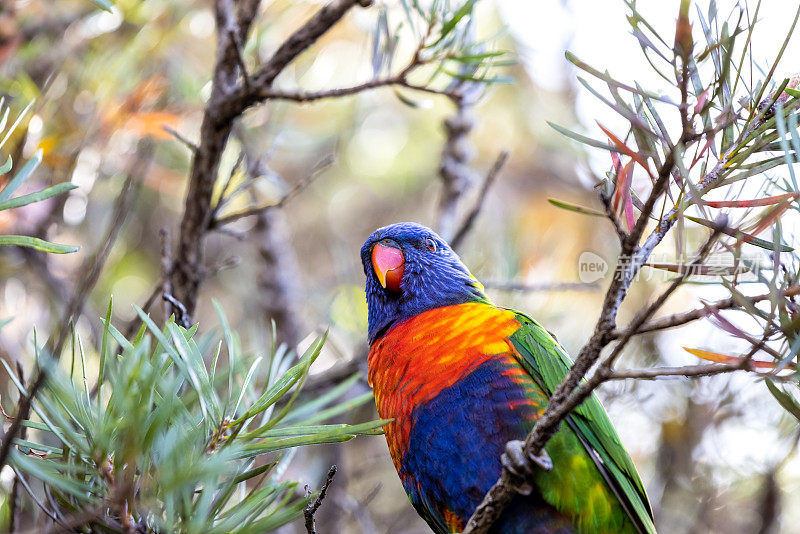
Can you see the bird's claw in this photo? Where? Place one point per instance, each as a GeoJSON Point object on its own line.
{"type": "Point", "coordinates": [542, 460]}
{"type": "Point", "coordinates": [519, 464]}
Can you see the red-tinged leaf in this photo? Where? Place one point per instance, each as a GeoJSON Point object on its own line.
{"type": "Point", "coordinates": [724, 358]}
{"type": "Point", "coordinates": [629, 218]}
{"type": "Point", "coordinates": [623, 184]}
{"type": "Point", "coordinates": [711, 356]}
{"type": "Point", "coordinates": [772, 214]}
{"type": "Point", "coordinates": [625, 149]}
{"type": "Point", "coordinates": [701, 101]}
{"type": "Point", "coordinates": [766, 201]}
{"type": "Point", "coordinates": [709, 143]}
{"type": "Point", "coordinates": [615, 161]}
{"type": "Point", "coordinates": [724, 324]}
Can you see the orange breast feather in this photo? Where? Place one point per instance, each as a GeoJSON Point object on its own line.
{"type": "Point", "coordinates": [421, 356]}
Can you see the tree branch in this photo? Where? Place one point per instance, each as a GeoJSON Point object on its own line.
{"type": "Point", "coordinates": [311, 96]}
{"type": "Point", "coordinates": [686, 371]}
{"type": "Point", "coordinates": [304, 37]}
{"type": "Point", "coordinates": [228, 101]}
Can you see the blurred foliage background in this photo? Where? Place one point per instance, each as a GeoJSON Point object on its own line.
{"type": "Point", "coordinates": [716, 454]}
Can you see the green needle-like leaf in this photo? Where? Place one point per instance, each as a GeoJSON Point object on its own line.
{"type": "Point", "coordinates": [36, 243]}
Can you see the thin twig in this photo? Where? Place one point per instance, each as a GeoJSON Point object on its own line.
{"type": "Point", "coordinates": [174, 133]}
{"type": "Point", "coordinates": [304, 37]}
{"type": "Point", "coordinates": [611, 216]}
{"type": "Point", "coordinates": [72, 522]}
{"type": "Point", "coordinates": [686, 371]}
{"type": "Point", "coordinates": [166, 266]}
{"type": "Point", "coordinates": [288, 196]}
{"type": "Point", "coordinates": [224, 197]}
{"type": "Point", "coordinates": [312, 508]}
{"type": "Point", "coordinates": [35, 497]}
{"type": "Point", "coordinates": [469, 220]}
{"type": "Point", "coordinates": [502, 285]}
{"type": "Point", "coordinates": [14, 498]}
{"type": "Point", "coordinates": [182, 317]}
{"type": "Point", "coordinates": [93, 266]}
{"type": "Point", "coordinates": [312, 96]}
{"type": "Point", "coordinates": [642, 317]}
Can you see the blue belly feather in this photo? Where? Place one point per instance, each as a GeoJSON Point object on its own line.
{"type": "Point", "coordinates": [454, 448]}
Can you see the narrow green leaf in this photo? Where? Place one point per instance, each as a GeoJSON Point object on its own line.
{"type": "Point", "coordinates": [572, 58]}
{"type": "Point", "coordinates": [574, 207]}
{"type": "Point", "coordinates": [46, 471]}
{"type": "Point", "coordinates": [406, 100]}
{"type": "Point", "coordinates": [30, 198]}
{"type": "Point", "coordinates": [38, 446]}
{"type": "Point", "coordinates": [338, 409]}
{"type": "Point", "coordinates": [746, 238]}
{"type": "Point", "coordinates": [315, 405]}
{"type": "Point", "coordinates": [246, 384]}
{"type": "Point", "coordinates": [118, 337]}
{"type": "Point", "coordinates": [582, 138]}
{"type": "Point", "coordinates": [104, 351]}
{"type": "Point", "coordinates": [21, 176]}
{"type": "Point", "coordinates": [449, 25]}
{"type": "Point", "coordinates": [786, 401]}
{"type": "Point", "coordinates": [36, 243]}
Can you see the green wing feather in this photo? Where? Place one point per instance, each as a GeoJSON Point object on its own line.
{"type": "Point", "coordinates": [548, 364]}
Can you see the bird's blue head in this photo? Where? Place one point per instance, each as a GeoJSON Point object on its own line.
{"type": "Point", "coordinates": [410, 270]}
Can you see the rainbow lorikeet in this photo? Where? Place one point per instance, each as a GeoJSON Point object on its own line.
{"type": "Point", "coordinates": [461, 377]}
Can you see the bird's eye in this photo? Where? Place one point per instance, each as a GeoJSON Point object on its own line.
{"type": "Point", "coordinates": [431, 244]}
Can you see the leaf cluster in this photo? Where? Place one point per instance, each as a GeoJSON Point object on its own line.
{"type": "Point", "coordinates": [14, 182]}
{"type": "Point", "coordinates": [444, 37]}
{"type": "Point", "coordinates": [168, 443]}
{"type": "Point", "coordinates": [731, 159]}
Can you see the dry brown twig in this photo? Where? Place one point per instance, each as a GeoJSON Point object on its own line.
{"type": "Point", "coordinates": [312, 508]}
{"type": "Point", "coordinates": [469, 220]}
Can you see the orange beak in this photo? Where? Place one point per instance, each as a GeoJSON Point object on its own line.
{"type": "Point", "coordinates": [388, 262]}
